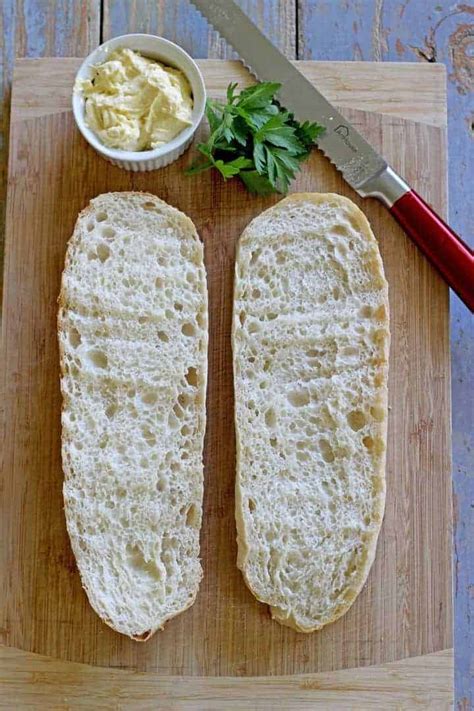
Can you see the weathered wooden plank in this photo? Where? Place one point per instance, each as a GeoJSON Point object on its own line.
{"type": "Point", "coordinates": [39, 28]}
{"type": "Point", "coordinates": [180, 22]}
{"type": "Point", "coordinates": [417, 30]}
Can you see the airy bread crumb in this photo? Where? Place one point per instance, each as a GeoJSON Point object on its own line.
{"type": "Point", "coordinates": [132, 329]}
{"type": "Point", "coordinates": [310, 343]}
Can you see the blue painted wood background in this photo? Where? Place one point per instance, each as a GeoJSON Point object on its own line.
{"type": "Point", "coordinates": [372, 30]}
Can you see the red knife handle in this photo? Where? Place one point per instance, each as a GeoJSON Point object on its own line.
{"type": "Point", "coordinates": [440, 245]}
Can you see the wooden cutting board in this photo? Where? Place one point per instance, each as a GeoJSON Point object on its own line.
{"type": "Point", "coordinates": [405, 606]}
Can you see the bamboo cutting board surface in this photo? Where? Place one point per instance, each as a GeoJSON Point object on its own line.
{"type": "Point", "coordinates": [405, 607]}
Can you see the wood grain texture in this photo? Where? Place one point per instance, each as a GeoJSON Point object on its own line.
{"type": "Point", "coordinates": [35, 28]}
{"type": "Point", "coordinates": [180, 22]}
{"type": "Point", "coordinates": [426, 32]}
{"type": "Point", "coordinates": [385, 88]}
{"type": "Point", "coordinates": [30, 680]}
{"type": "Point", "coordinates": [405, 607]}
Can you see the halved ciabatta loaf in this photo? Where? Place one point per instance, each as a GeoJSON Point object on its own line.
{"type": "Point", "coordinates": [310, 343]}
{"type": "Point", "coordinates": [132, 331]}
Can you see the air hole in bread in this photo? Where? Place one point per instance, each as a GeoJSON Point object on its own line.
{"type": "Point", "coordinates": [326, 487]}
{"type": "Point", "coordinates": [148, 436]}
{"type": "Point", "coordinates": [101, 216]}
{"type": "Point", "coordinates": [378, 336]}
{"type": "Point", "coordinates": [97, 359]}
{"type": "Point", "coordinates": [350, 351]}
{"type": "Point", "coordinates": [178, 410]}
{"type": "Point", "coordinates": [74, 337]}
{"type": "Point", "coordinates": [163, 336]}
{"type": "Point", "coordinates": [149, 397]}
{"type": "Point", "coordinates": [255, 255]}
{"type": "Point", "coordinates": [298, 398]}
{"type": "Point", "coordinates": [368, 442]}
{"type": "Point", "coordinates": [173, 421]}
{"type": "Point", "coordinates": [251, 504]}
{"type": "Point", "coordinates": [188, 329]}
{"type": "Point", "coordinates": [254, 327]}
{"type": "Point", "coordinates": [149, 206]}
{"type": "Point", "coordinates": [111, 410]}
{"type": "Point", "coordinates": [201, 319]}
{"type": "Point", "coordinates": [273, 442]}
{"type": "Point", "coordinates": [192, 517]}
{"type": "Point", "coordinates": [357, 420]}
{"type": "Point", "coordinates": [270, 418]}
{"type": "Point", "coordinates": [103, 251]}
{"type": "Point", "coordinates": [192, 377]}
{"type": "Point", "coordinates": [137, 562]}
{"type": "Point", "coordinates": [326, 451]}
{"type": "Point", "coordinates": [341, 251]}
{"type": "Point", "coordinates": [177, 306]}
{"type": "Point", "coordinates": [378, 413]}
{"type": "Point", "coordinates": [366, 312]}
{"type": "Point", "coordinates": [108, 232]}
{"type": "Point", "coordinates": [184, 400]}
{"type": "Point", "coordinates": [161, 484]}
{"type": "Point", "coordinates": [159, 283]}
{"type": "Point", "coordinates": [90, 226]}
{"type": "Point", "coordinates": [340, 230]}
{"type": "Point", "coordinates": [256, 293]}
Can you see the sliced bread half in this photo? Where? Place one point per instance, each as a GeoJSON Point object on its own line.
{"type": "Point", "coordinates": [310, 343]}
{"type": "Point", "coordinates": [132, 329]}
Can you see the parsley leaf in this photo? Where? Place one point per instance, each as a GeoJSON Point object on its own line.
{"type": "Point", "coordinates": [254, 138]}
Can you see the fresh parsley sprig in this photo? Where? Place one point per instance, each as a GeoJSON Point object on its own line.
{"type": "Point", "coordinates": [254, 138]}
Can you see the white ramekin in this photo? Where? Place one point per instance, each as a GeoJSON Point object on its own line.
{"type": "Point", "coordinates": [170, 54]}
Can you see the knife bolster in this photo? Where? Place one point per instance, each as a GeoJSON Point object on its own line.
{"type": "Point", "coordinates": [387, 186]}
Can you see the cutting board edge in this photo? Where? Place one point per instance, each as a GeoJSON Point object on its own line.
{"type": "Point", "coordinates": [391, 79]}
{"type": "Point", "coordinates": [270, 677]}
{"type": "Point", "coordinates": [427, 679]}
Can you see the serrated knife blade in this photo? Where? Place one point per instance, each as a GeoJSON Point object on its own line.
{"type": "Point", "coordinates": [362, 167]}
{"type": "Point", "coordinates": [341, 143]}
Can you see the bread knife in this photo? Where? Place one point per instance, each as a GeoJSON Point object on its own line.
{"type": "Point", "coordinates": [361, 166]}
